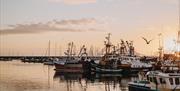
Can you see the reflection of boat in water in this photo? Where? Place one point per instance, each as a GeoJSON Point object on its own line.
{"type": "Point", "coordinates": [70, 79]}
{"type": "Point", "coordinates": [107, 82]}
{"type": "Point", "coordinates": [102, 69]}
{"type": "Point", "coordinates": [157, 81]}
{"type": "Point", "coordinates": [68, 76]}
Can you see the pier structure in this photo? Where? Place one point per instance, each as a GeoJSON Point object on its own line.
{"type": "Point", "coordinates": [38, 59]}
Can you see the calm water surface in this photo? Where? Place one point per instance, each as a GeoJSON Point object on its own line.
{"type": "Point", "coordinates": [19, 76]}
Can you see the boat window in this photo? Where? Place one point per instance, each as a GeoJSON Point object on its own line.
{"type": "Point", "coordinates": [155, 80]}
{"type": "Point", "coordinates": [171, 81]}
{"type": "Point", "coordinates": [162, 81]}
{"type": "Point", "coordinates": [150, 79]}
{"type": "Point", "coordinates": [177, 81]}
{"type": "Point", "coordinates": [147, 77]}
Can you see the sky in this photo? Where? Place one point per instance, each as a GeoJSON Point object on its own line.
{"type": "Point", "coordinates": [26, 26]}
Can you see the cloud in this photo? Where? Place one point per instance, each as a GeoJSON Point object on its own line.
{"type": "Point", "coordinates": [76, 25]}
{"type": "Point", "coordinates": [77, 2]}
{"type": "Point", "coordinates": [76, 22]}
{"type": "Point", "coordinates": [74, 2]}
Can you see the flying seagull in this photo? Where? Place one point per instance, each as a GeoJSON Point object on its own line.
{"type": "Point", "coordinates": [147, 41]}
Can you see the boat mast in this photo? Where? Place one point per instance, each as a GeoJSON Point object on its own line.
{"type": "Point", "coordinates": [68, 51]}
{"type": "Point", "coordinates": [60, 51]}
{"type": "Point", "coordinates": [80, 52]}
{"type": "Point", "coordinates": [179, 23]}
{"type": "Point", "coordinates": [55, 48]}
{"type": "Point", "coordinates": [160, 47]}
{"type": "Point", "coordinates": [71, 49]}
{"type": "Point", "coordinates": [49, 51]}
{"type": "Point", "coordinates": [91, 51]}
{"type": "Point", "coordinates": [123, 49]}
{"type": "Point", "coordinates": [178, 38]}
{"type": "Point", "coordinates": [108, 43]}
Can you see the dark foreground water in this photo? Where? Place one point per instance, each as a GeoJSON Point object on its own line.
{"type": "Point", "coordinates": [19, 76]}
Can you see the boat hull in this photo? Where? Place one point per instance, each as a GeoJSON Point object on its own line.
{"type": "Point", "coordinates": [77, 68]}
{"type": "Point", "coordinates": [140, 88]}
{"type": "Point", "coordinates": [99, 69]}
{"type": "Point", "coordinates": [135, 70]}
{"type": "Point", "coordinates": [145, 88]}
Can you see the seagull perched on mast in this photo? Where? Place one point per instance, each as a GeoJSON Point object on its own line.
{"type": "Point", "coordinates": [147, 41]}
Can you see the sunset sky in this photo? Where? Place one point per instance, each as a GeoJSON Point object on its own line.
{"type": "Point", "coordinates": [26, 26]}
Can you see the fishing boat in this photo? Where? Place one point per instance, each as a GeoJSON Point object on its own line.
{"type": "Point", "coordinates": [131, 62]}
{"type": "Point", "coordinates": [104, 69]}
{"type": "Point", "coordinates": [119, 59]}
{"type": "Point", "coordinates": [108, 63]}
{"type": "Point", "coordinates": [169, 62]}
{"type": "Point", "coordinates": [157, 81]}
{"type": "Point", "coordinates": [70, 66]}
{"type": "Point", "coordinates": [72, 63]}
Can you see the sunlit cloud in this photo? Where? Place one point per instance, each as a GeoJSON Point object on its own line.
{"type": "Point", "coordinates": [76, 22]}
{"type": "Point", "coordinates": [74, 2]}
{"type": "Point", "coordinates": [77, 2]}
{"type": "Point", "coordinates": [71, 25]}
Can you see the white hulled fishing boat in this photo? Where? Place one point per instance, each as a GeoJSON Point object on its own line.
{"type": "Point", "coordinates": [157, 81]}
{"type": "Point", "coordinates": [118, 59]}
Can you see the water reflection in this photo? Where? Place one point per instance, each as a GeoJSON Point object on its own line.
{"type": "Point", "coordinates": [97, 82]}
{"type": "Point", "coordinates": [18, 76]}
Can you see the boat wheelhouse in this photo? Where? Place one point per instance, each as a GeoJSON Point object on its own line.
{"type": "Point", "coordinates": [134, 64]}
{"type": "Point", "coordinates": [157, 81]}
{"type": "Point", "coordinates": [164, 81]}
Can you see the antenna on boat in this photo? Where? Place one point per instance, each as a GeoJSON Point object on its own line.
{"type": "Point", "coordinates": [91, 51]}
{"type": "Point", "coordinates": [177, 44]}
{"type": "Point", "coordinates": [82, 49]}
{"type": "Point", "coordinates": [49, 48]}
{"type": "Point", "coordinates": [178, 38]}
{"type": "Point", "coordinates": [179, 23]}
{"type": "Point", "coordinates": [123, 49]}
{"type": "Point", "coordinates": [108, 43]}
{"type": "Point", "coordinates": [55, 49]}
{"type": "Point", "coordinates": [160, 47]}
{"type": "Point", "coordinates": [71, 49]}
{"type": "Point", "coordinates": [60, 50]}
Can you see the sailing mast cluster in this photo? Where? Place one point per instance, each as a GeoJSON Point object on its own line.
{"type": "Point", "coordinates": [117, 59]}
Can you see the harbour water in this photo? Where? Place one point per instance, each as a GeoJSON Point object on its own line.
{"type": "Point", "coordinates": [18, 76]}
